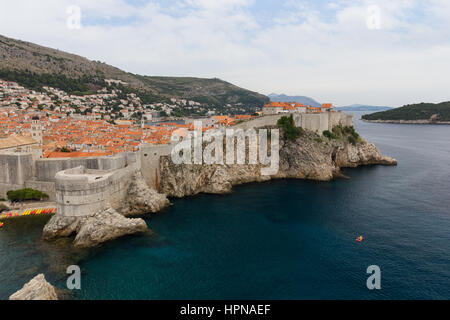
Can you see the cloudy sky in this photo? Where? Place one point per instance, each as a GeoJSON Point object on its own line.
{"type": "Point", "coordinates": [379, 52]}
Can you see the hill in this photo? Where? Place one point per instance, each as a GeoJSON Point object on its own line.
{"type": "Point", "coordinates": [362, 107]}
{"type": "Point", "coordinates": [35, 66]}
{"type": "Point", "coordinates": [422, 112]}
{"type": "Point", "coordinates": [300, 99]}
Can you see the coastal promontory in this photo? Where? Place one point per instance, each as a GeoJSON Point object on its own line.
{"type": "Point", "coordinates": [310, 157]}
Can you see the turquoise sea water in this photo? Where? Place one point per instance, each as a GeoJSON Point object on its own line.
{"type": "Point", "coordinates": [278, 240]}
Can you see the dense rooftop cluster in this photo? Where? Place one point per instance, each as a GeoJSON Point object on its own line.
{"type": "Point", "coordinates": [105, 123]}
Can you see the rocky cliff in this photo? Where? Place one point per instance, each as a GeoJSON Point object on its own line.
{"type": "Point", "coordinates": [311, 157]}
{"type": "Point", "coordinates": [308, 157]}
{"type": "Point", "coordinates": [37, 289]}
{"type": "Point", "coordinates": [142, 199]}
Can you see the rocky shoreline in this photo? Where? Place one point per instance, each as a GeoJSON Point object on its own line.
{"type": "Point", "coordinates": [310, 157]}
{"type": "Point", "coordinates": [93, 230]}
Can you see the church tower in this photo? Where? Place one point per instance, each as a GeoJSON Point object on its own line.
{"type": "Point", "coordinates": [36, 130]}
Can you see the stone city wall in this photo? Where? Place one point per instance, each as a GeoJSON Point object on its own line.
{"type": "Point", "coordinates": [149, 156]}
{"type": "Point", "coordinates": [317, 122]}
{"type": "Point", "coordinates": [263, 121]}
{"type": "Point", "coordinates": [15, 169]}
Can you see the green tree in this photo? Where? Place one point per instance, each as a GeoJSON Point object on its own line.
{"type": "Point", "coordinates": [330, 135]}
{"type": "Point", "coordinates": [26, 195]}
{"type": "Point", "coordinates": [290, 130]}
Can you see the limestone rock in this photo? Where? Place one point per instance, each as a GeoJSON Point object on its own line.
{"type": "Point", "coordinates": [95, 229]}
{"type": "Point", "coordinates": [105, 226]}
{"type": "Point", "coordinates": [142, 199]}
{"type": "Point", "coordinates": [60, 226]}
{"type": "Point", "coordinates": [362, 154]}
{"type": "Point", "coordinates": [306, 158]}
{"type": "Point", "coordinates": [37, 289]}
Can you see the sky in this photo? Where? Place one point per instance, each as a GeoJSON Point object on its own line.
{"type": "Point", "coordinates": [377, 52]}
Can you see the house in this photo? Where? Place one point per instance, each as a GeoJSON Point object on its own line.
{"type": "Point", "coordinates": [278, 107]}
{"type": "Point", "coordinates": [300, 107]}
{"type": "Point", "coordinates": [327, 106]}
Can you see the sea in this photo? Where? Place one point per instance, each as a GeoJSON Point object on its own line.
{"type": "Point", "coordinates": [285, 239]}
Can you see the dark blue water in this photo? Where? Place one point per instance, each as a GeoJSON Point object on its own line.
{"type": "Point", "coordinates": [279, 240]}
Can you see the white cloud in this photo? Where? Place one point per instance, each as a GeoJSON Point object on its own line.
{"type": "Point", "coordinates": [329, 54]}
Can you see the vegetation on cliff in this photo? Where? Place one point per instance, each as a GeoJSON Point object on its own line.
{"type": "Point", "coordinates": [344, 133]}
{"type": "Point", "coordinates": [290, 130]}
{"type": "Point", "coordinates": [413, 112]}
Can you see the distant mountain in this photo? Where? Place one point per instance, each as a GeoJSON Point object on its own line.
{"type": "Point", "coordinates": [35, 66]}
{"type": "Point", "coordinates": [362, 107]}
{"type": "Point", "coordinates": [428, 112]}
{"type": "Point", "coordinates": [300, 99]}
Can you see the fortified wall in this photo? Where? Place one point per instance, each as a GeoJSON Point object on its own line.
{"type": "Point", "coordinates": [85, 186]}
{"type": "Point", "coordinates": [149, 156]}
{"type": "Point", "coordinates": [317, 122]}
{"type": "Point", "coordinates": [320, 122]}
{"type": "Point", "coordinates": [80, 191]}
{"type": "Point", "coordinates": [19, 170]}
{"type": "Point", "coordinates": [15, 170]}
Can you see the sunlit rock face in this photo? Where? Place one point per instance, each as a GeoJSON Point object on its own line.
{"type": "Point", "coordinates": [37, 289]}
{"type": "Point", "coordinates": [309, 157]}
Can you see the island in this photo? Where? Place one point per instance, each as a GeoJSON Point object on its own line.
{"type": "Point", "coordinates": [421, 113]}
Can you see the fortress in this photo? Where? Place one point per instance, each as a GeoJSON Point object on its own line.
{"type": "Point", "coordinates": [84, 186]}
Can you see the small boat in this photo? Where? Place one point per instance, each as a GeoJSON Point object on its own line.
{"type": "Point", "coordinates": [360, 239]}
